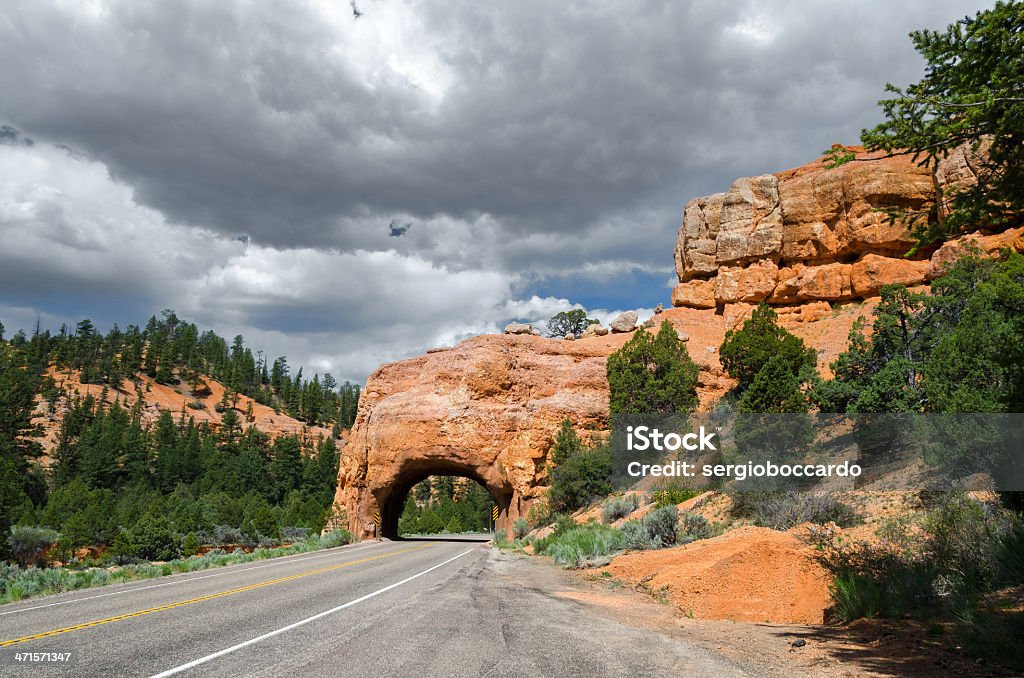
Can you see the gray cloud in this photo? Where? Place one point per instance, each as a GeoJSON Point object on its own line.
{"type": "Point", "coordinates": [279, 121]}
{"type": "Point", "coordinates": [527, 141]}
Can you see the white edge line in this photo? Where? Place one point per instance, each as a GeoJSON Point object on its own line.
{"type": "Point", "coordinates": [303, 622]}
{"type": "Point", "coordinates": [296, 558]}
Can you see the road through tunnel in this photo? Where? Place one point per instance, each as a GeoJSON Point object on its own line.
{"type": "Point", "coordinates": [392, 498]}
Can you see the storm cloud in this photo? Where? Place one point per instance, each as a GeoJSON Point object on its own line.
{"type": "Point", "coordinates": [242, 161]}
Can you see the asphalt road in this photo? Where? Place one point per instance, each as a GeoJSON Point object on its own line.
{"type": "Point", "coordinates": [413, 608]}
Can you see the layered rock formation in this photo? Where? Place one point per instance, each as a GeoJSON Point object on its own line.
{"type": "Point", "coordinates": [810, 234]}
{"type": "Point", "coordinates": [487, 409]}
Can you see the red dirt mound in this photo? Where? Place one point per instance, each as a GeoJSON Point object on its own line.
{"type": "Point", "coordinates": [749, 574]}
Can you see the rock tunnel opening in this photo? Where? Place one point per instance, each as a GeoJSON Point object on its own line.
{"type": "Point", "coordinates": [392, 498]}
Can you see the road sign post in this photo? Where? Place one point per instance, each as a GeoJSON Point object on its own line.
{"type": "Point", "coordinates": [376, 524]}
{"type": "Point", "coordinates": [494, 520]}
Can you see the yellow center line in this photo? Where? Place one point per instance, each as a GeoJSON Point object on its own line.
{"type": "Point", "coordinates": [200, 599]}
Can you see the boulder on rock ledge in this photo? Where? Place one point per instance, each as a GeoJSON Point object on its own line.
{"type": "Point", "coordinates": [519, 328]}
{"type": "Point", "coordinates": [624, 323]}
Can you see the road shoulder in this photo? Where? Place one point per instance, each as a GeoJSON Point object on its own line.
{"type": "Point", "coordinates": [863, 649]}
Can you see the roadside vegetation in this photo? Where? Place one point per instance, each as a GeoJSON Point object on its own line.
{"type": "Point", "coordinates": [959, 566]}
{"type": "Point", "coordinates": [784, 510]}
{"type": "Point", "coordinates": [593, 544]}
{"type": "Point", "coordinates": [18, 582]}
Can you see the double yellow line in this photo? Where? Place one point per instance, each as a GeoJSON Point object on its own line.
{"type": "Point", "coordinates": [200, 599]}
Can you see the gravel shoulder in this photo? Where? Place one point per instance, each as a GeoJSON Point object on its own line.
{"type": "Point", "coordinates": [865, 648]}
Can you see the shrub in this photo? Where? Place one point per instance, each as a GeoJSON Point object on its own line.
{"type": "Point", "coordinates": [783, 510]}
{"type": "Point", "coordinates": [579, 473]}
{"type": "Point", "coordinates": [539, 513]}
{"type": "Point", "coordinates": [884, 578]}
{"type": "Point", "coordinates": [335, 538]}
{"type": "Point", "coordinates": [588, 545]}
{"type": "Point", "coordinates": [520, 528]}
{"type": "Point", "coordinates": [619, 507]}
{"type": "Point", "coordinates": [154, 539]}
{"type": "Point", "coordinates": [562, 525]}
{"type": "Point", "coordinates": [695, 526]}
{"type": "Point", "coordinates": [666, 496]}
{"type": "Point", "coordinates": [636, 537]}
{"type": "Point", "coordinates": [501, 540]}
{"type": "Point", "coordinates": [29, 543]}
{"type": "Point", "coordinates": [958, 556]}
{"type": "Point", "coordinates": [294, 535]}
{"type": "Point", "coordinates": [655, 530]}
{"type": "Point", "coordinates": [8, 572]}
{"type": "Point", "coordinates": [224, 535]}
{"type": "Point", "coordinates": [966, 541]}
{"type": "Point", "coordinates": [190, 545]}
{"type": "Point", "coordinates": [661, 524]}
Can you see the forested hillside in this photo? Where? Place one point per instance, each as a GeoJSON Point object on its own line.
{"type": "Point", "coordinates": [128, 476]}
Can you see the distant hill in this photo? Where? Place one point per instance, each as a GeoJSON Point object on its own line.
{"type": "Point", "coordinates": [164, 430]}
{"type": "Point", "coordinates": [202, 405]}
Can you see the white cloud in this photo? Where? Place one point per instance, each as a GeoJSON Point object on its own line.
{"type": "Point", "coordinates": [65, 221]}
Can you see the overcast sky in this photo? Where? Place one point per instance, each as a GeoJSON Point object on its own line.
{"type": "Point", "coordinates": [350, 191]}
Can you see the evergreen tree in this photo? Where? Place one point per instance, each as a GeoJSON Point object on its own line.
{"type": "Point", "coordinates": [650, 375]}
{"type": "Point", "coordinates": [775, 389]}
{"type": "Point", "coordinates": [579, 474]}
{"type": "Point", "coordinates": [569, 322]}
{"type": "Point", "coordinates": [971, 94]}
{"type": "Point", "coordinates": [745, 351]}
{"type": "Point", "coordinates": [286, 466]}
{"type": "Point", "coordinates": [958, 349]}
{"type": "Point", "coordinates": [167, 453]}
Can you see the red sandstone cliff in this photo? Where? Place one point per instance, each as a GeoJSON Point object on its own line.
{"type": "Point", "coordinates": [814, 234]}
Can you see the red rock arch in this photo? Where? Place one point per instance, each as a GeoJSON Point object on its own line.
{"type": "Point", "coordinates": [487, 409]}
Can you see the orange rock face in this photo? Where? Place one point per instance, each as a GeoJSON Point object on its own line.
{"type": "Point", "coordinates": [808, 234]}
{"type": "Point", "coordinates": [946, 256]}
{"type": "Point", "coordinates": [872, 272]}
